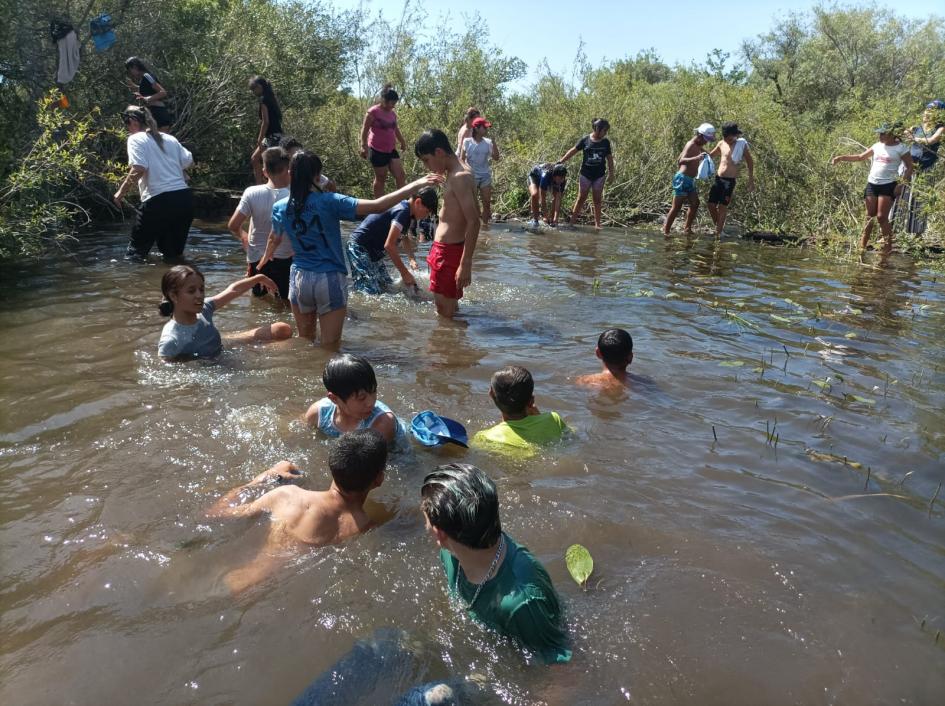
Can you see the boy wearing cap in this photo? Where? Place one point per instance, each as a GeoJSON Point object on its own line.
{"type": "Point", "coordinates": [731, 151]}
{"type": "Point", "coordinates": [476, 151]}
{"type": "Point", "coordinates": [316, 518]}
{"type": "Point", "coordinates": [684, 181]}
{"type": "Point", "coordinates": [454, 243]}
{"type": "Point", "coordinates": [497, 580]}
{"type": "Point", "coordinates": [522, 426]}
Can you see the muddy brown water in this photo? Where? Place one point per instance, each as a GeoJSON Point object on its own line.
{"type": "Point", "coordinates": [755, 569]}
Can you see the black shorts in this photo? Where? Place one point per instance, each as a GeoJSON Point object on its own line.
{"type": "Point", "coordinates": [277, 269]}
{"type": "Point", "coordinates": [880, 190]}
{"type": "Point", "coordinates": [381, 159]}
{"type": "Point", "coordinates": [162, 116]}
{"type": "Point", "coordinates": [722, 191]}
{"type": "Point", "coordinates": [163, 219]}
{"type": "Point", "coordinates": [272, 140]}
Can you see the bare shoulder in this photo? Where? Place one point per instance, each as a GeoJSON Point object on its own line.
{"type": "Point", "coordinates": [462, 179]}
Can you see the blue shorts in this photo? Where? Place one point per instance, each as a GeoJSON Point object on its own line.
{"type": "Point", "coordinates": [369, 276]}
{"type": "Point", "coordinates": [684, 185]}
{"type": "Point", "coordinates": [319, 292]}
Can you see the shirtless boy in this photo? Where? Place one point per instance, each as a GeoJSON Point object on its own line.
{"type": "Point", "coordinates": [311, 517]}
{"type": "Point", "coordinates": [615, 351]}
{"type": "Point", "coordinates": [732, 151]}
{"type": "Point", "coordinates": [684, 181]}
{"type": "Point", "coordinates": [451, 254]}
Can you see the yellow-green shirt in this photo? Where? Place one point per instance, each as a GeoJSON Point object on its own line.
{"type": "Point", "coordinates": [533, 430]}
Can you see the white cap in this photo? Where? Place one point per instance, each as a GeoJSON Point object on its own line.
{"type": "Point", "coordinates": [707, 130]}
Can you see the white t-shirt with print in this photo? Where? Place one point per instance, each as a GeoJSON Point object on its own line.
{"type": "Point", "coordinates": [886, 161]}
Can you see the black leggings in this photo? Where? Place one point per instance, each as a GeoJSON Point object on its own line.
{"type": "Point", "coordinates": [164, 219]}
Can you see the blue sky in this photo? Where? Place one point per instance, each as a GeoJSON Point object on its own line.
{"type": "Point", "coordinates": [681, 31]}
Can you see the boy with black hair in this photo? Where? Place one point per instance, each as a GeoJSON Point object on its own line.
{"type": "Point", "coordinates": [498, 580]}
{"type": "Point", "coordinates": [351, 402]}
{"type": "Point", "coordinates": [541, 178]}
{"type": "Point", "coordinates": [522, 426]}
{"type": "Point", "coordinates": [381, 233]}
{"type": "Point", "coordinates": [311, 517]}
{"type": "Point", "coordinates": [256, 206]}
{"type": "Point", "coordinates": [451, 254]}
{"type": "Point", "coordinates": [731, 150]}
{"type": "Point", "coordinates": [615, 351]}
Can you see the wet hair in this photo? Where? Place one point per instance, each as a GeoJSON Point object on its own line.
{"type": "Point", "coordinates": [429, 198]}
{"type": "Point", "coordinates": [600, 124]}
{"type": "Point", "coordinates": [306, 168]}
{"type": "Point", "coordinates": [133, 62]}
{"type": "Point", "coordinates": [615, 346]}
{"type": "Point", "coordinates": [462, 501]}
{"type": "Point", "coordinates": [146, 120]}
{"type": "Point", "coordinates": [559, 170]}
{"type": "Point", "coordinates": [348, 374]}
{"type": "Point", "coordinates": [428, 142]}
{"type": "Point", "coordinates": [290, 143]}
{"type": "Point", "coordinates": [173, 280]}
{"type": "Point", "coordinates": [275, 160]}
{"type": "Point", "coordinates": [272, 103]}
{"type": "Point", "coordinates": [471, 112]}
{"type": "Point", "coordinates": [388, 93]}
{"type": "Point", "coordinates": [357, 459]}
{"type": "Point", "coordinates": [513, 388]}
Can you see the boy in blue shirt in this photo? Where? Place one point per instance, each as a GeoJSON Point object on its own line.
{"type": "Point", "coordinates": [541, 178]}
{"type": "Point", "coordinates": [380, 233]}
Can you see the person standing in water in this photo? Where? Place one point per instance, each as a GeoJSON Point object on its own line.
{"type": "Point", "coordinates": [270, 123]}
{"type": "Point", "coordinates": [149, 92]}
{"type": "Point", "coordinates": [465, 130]}
{"type": "Point", "coordinates": [476, 152]}
{"type": "Point", "coordinates": [882, 185]}
{"type": "Point", "coordinates": [732, 150]}
{"type": "Point", "coordinates": [157, 164]}
{"type": "Point", "coordinates": [684, 181]}
{"type": "Point", "coordinates": [379, 135]}
{"type": "Point", "coordinates": [597, 157]}
{"type": "Point", "coordinates": [457, 232]}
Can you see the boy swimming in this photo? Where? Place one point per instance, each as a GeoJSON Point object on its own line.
{"type": "Point", "coordinates": [522, 425]}
{"type": "Point", "coordinates": [684, 181]}
{"type": "Point", "coordinates": [316, 518]}
{"type": "Point", "coordinates": [615, 351]}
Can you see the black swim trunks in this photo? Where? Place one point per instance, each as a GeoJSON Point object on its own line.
{"type": "Point", "coordinates": [381, 159]}
{"type": "Point", "coordinates": [722, 190]}
{"type": "Point", "coordinates": [879, 189]}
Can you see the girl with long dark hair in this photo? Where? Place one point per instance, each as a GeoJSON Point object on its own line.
{"type": "Point", "coordinates": [379, 134]}
{"type": "Point", "coordinates": [149, 92]}
{"type": "Point", "coordinates": [270, 123]}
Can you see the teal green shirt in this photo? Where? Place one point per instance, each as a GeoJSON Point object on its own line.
{"type": "Point", "coordinates": [519, 602]}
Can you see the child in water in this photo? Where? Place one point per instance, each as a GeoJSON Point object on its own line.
{"type": "Point", "coordinates": [615, 351]}
{"type": "Point", "coordinates": [190, 333]}
{"type": "Point", "coordinates": [477, 151]}
{"type": "Point", "coordinates": [352, 401]}
{"type": "Point", "coordinates": [522, 426]}
{"type": "Point", "coordinates": [541, 178]}
{"type": "Point", "coordinates": [597, 157]}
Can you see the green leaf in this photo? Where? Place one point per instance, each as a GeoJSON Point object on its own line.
{"type": "Point", "coordinates": [580, 564]}
{"type": "Point", "coordinates": [782, 319]}
{"type": "Point", "coordinates": [732, 363]}
{"type": "Point", "coordinates": [852, 334]}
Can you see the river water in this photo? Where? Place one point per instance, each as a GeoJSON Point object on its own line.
{"type": "Point", "coordinates": [795, 559]}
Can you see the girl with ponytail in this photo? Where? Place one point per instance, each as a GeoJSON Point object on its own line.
{"type": "Point", "coordinates": [597, 157]}
{"type": "Point", "coordinates": [378, 135]}
{"type": "Point", "coordinates": [270, 123]}
{"type": "Point", "coordinates": [157, 162]}
{"type": "Point", "coordinates": [311, 219]}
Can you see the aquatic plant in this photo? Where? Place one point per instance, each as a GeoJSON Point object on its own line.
{"type": "Point", "coordinates": [580, 564]}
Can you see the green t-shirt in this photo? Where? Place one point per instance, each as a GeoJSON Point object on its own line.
{"type": "Point", "coordinates": [535, 429]}
{"type": "Point", "coordinates": [519, 601]}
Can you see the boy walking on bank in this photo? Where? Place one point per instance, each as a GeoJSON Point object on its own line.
{"type": "Point", "coordinates": [684, 181]}
{"type": "Point", "coordinates": [731, 151]}
{"type": "Point", "coordinates": [451, 254]}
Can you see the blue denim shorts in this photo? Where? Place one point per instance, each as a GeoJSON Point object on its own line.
{"type": "Point", "coordinates": [321, 292]}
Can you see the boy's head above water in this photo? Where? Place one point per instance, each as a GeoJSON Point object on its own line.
{"type": "Point", "coordinates": [351, 384]}
{"type": "Point", "coordinates": [461, 501]}
{"type": "Point", "coordinates": [513, 391]}
{"type": "Point", "coordinates": [357, 461]}
{"type": "Point", "coordinates": [615, 348]}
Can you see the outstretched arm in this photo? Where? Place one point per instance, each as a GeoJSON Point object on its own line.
{"type": "Point", "coordinates": [853, 157]}
{"type": "Point", "coordinates": [366, 206]}
{"type": "Point", "coordinates": [907, 160]}
{"type": "Point", "coordinates": [241, 287]}
{"type": "Point", "coordinates": [135, 173]}
{"type": "Point", "coordinates": [567, 155]}
{"type": "Point", "coordinates": [228, 505]}
{"type": "Point", "coordinates": [272, 243]}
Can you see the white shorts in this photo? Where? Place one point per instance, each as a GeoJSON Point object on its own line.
{"type": "Point", "coordinates": [321, 292]}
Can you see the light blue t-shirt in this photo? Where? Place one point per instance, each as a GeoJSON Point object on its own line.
{"type": "Point", "coordinates": [318, 247]}
{"type": "Point", "coordinates": [326, 419]}
{"type": "Point", "coordinates": [199, 340]}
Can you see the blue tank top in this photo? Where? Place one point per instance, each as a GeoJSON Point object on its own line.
{"type": "Point", "coordinates": [326, 419]}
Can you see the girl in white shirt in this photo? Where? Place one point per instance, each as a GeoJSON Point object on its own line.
{"type": "Point", "coordinates": [881, 185]}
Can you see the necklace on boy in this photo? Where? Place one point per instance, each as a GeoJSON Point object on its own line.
{"type": "Point", "coordinates": [495, 560]}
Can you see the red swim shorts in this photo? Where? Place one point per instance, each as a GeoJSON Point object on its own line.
{"type": "Point", "coordinates": [444, 262]}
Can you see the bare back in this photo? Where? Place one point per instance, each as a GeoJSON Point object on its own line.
{"type": "Point", "coordinates": [314, 517]}
{"type": "Point", "coordinates": [727, 168]}
{"type": "Point", "coordinates": [459, 200]}
{"type": "Point", "coordinates": [691, 149]}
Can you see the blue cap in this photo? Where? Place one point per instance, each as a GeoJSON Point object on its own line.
{"type": "Point", "coordinates": [430, 429]}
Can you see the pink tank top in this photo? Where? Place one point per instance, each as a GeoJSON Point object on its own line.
{"type": "Point", "coordinates": [381, 136]}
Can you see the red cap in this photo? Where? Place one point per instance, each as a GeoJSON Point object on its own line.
{"type": "Point", "coordinates": [481, 122]}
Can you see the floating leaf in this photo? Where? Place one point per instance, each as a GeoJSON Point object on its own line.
{"type": "Point", "coordinates": [864, 400]}
{"type": "Point", "coordinates": [852, 334]}
{"type": "Point", "coordinates": [782, 319]}
{"type": "Point", "coordinates": [822, 384]}
{"type": "Point", "coordinates": [580, 564]}
{"type": "Point", "coordinates": [732, 363]}
{"type": "Point", "coordinates": [856, 312]}
{"type": "Point", "coordinates": [832, 458]}
{"type": "Point", "coordinates": [645, 293]}
{"type": "Point", "coordinates": [671, 295]}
